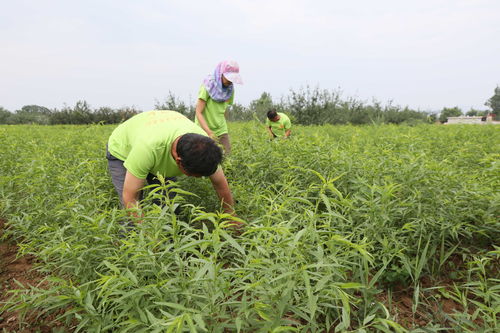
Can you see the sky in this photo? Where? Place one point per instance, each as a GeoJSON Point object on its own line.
{"type": "Point", "coordinates": [425, 54]}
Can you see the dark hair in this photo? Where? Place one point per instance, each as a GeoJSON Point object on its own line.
{"type": "Point", "coordinates": [271, 114]}
{"type": "Point", "coordinates": [199, 154]}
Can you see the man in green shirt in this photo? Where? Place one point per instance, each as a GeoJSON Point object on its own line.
{"type": "Point", "coordinates": [279, 124]}
{"type": "Point", "coordinates": [163, 143]}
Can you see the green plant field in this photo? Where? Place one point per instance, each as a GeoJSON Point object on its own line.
{"type": "Point", "coordinates": [338, 218]}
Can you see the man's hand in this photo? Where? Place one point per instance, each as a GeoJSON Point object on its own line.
{"type": "Point", "coordinates": [200, 108]}
{"type": "Point", "coordinates": [219, 182]}
{"type": "Point", "coordinates": [212, 135]}
{"type": "Point", "coordinates": [271, 133]}
{"type": "Point", "coordinates": [131, 189]}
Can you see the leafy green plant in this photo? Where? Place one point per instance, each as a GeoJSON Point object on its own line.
{"type": "Point", "coordinates": [336, 215]}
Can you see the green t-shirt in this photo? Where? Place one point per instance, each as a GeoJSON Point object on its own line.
{"type": "Point", "coordinates": [281, 126]}
{"type": "Point", "coordinates": [144, 142]}
{"type": "Point", "coordinates": [214, 112]}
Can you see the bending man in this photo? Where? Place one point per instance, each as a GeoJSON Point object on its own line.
{"type": "Point", "coordinates": [279, 125]}
{"type": "Point", "coordinates": [163, 143]}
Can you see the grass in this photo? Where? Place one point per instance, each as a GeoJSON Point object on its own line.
{"type": "Point", "coordinates": [337, 216]}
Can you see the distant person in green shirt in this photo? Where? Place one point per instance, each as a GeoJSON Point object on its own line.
{"type": "Point", "coordinates": [215, 95]}
{"type": "Point", "coordinates": [163, 143]}
{"type": "Point", "coordinates": [278, 124]}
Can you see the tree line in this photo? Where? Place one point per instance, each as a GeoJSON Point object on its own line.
{"type": "Point", "coordinates": [307, 106]}
{"type": "Point", "coordinates": [81, 113]}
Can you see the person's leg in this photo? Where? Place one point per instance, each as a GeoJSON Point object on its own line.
{"type": "Point", "coordinates": [224, 140]}
{"type": "Point", "coordinates": [117, 172]}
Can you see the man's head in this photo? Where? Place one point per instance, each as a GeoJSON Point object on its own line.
{"type": "Point", "coordinates": [272, 115]}
{"type": "Point", "coordinates": [199, 155]}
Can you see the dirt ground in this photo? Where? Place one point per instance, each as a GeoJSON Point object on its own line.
{"type": "Point", "coordinates": [431, 311]}
{"type": "Point", "coordinates": [21, 270]}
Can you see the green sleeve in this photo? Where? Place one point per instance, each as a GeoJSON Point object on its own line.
{"type": "Point", "coordinates": [231, 99]}
{"type": "Point", "coordinates": [268, 122]}
{"type": "Point", "coordinates": [139, 162]}
{"type": "Point", "coordinates": [203, 93]}
{"type": "Point", "coordinates": [288, 124]}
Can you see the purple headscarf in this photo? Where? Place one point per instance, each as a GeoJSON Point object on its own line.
{"type": "Point", "coordinates": [213, 82]}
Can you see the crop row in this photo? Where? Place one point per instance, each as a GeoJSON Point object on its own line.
{"type": "Point", "coordinates": [337, 216]}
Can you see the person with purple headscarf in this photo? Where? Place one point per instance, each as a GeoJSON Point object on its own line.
{"type": "Point", "coordinates": [215, 95]}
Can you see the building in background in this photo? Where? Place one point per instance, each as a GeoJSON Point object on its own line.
{"type": "Point", "coordinates": [473, 120]}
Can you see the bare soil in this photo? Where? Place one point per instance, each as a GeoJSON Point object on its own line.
{"type": "Point", "coordinates": [20, 269]}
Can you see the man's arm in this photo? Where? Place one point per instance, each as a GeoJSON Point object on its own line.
{"type": "Point", "coordinates": [288, 132]}
{"type": "Point", "coordinates": [200, 107]}
{"type": "Point", "coordinates": [221, 186]}
{"type": "Point", "coordinates": [271, 132]}
{"type": "Point", "coordinates": [131, 188]}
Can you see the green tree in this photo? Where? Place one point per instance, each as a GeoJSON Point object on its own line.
{"type": "Point", "coordinates": [431, 118]}
{"type": "Point", "coordinates": [82, 113]}
{"type": "Point", "coordinates": [449, 112]}
{"type": "Point", "coordinates": [315, 106]}
{"type": "Point", "coordinates": [5, 116]}
{"type": "Point", "coordinates": [259, 107]}
{"type": "Point", "coordinates": [32, 114]}
{"type": "Point", "coordinates": [473, 113]}
{"type": "Point", "coordinates": [237, 112]}
{"type": "Point", "coordinates": [494, 102]}
{"type": "Point", "coordinates": [174, 103]}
